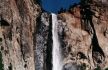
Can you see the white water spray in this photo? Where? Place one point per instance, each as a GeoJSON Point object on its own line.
{"type": "Point", "coordinates": [56, 53]}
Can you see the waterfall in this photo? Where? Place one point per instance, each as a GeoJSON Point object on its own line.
{"type": "Point", "coordinates": [56, 53]}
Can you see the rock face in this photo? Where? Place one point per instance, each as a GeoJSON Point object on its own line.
{"type": "Point", "coordinates": [85, 35]}
{"type": "Point", "coordinates": [43, 42]}
{"type": "Point", "coordinates": [18, 20]}
{"type": "Point", "coordinates": [26, 36]}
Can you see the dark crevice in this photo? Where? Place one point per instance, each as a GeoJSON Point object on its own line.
{"type": "Point", "coordinates": [4, 22]}
{"type": "Point", "coordinates": [81, 55]}
{"type": "Point", "coordinates": [97, 52]}
{"type": "Point", "coordinates": [10, 67]}
{"type": "Point", "coordinates": [1, 62]}
{"type": "Point", "coordinates": [1, 39]}
{"type": "Point", "coordinates": [25, 65]}
{"type": "Point", "coordinates": [2, 48]}
{"type": "Point", "coordinates": [69, 49]}
{"type": "Point", "coordinates": [87, 16]}
{"type": "Point", "coordinates": [49, 47]}
{"type": "Point", "coordinates": [38, 25]}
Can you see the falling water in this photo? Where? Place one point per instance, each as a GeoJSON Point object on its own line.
{"type": "Point", "coordinates": [57, 59]}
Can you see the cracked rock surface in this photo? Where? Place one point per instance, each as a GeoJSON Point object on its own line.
{"type": "Point", "coordinates": [26, 35]}
{"type": "Point", "coordinates": [16, 36]}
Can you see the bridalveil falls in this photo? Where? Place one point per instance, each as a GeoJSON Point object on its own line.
{"type": "Point", "coordinates": [56, 52]}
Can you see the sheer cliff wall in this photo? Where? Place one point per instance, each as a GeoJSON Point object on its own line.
{"type": "Point", "coordinates": [18, 21]}
{"type": "Point", "coordinates": [84, 35]}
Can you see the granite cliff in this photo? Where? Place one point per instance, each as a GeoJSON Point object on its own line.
{"type": "Point", "coordinates": [26, 36]}
{"type": "Point", "coordinates": [18, 20]}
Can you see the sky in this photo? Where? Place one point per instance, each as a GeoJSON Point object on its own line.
{"type": "Point", "coordinates": [56, 5]}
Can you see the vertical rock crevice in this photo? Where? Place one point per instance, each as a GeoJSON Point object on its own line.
{"type": "Point", "coordinates": [49, 47]}
{"type": "Point", "coordinates": [87, 16]}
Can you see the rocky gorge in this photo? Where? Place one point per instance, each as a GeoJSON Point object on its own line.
{"type": "Point", "coordinates": [27, 36]}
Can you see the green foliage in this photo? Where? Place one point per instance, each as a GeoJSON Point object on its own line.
{"type": "Point", "coordinates": [1, 64]}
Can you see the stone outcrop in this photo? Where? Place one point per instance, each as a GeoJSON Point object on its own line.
{"type": "Point", "coordinates": [84, 35]}
{"type": "Point", "coordinates": [18, 21]}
